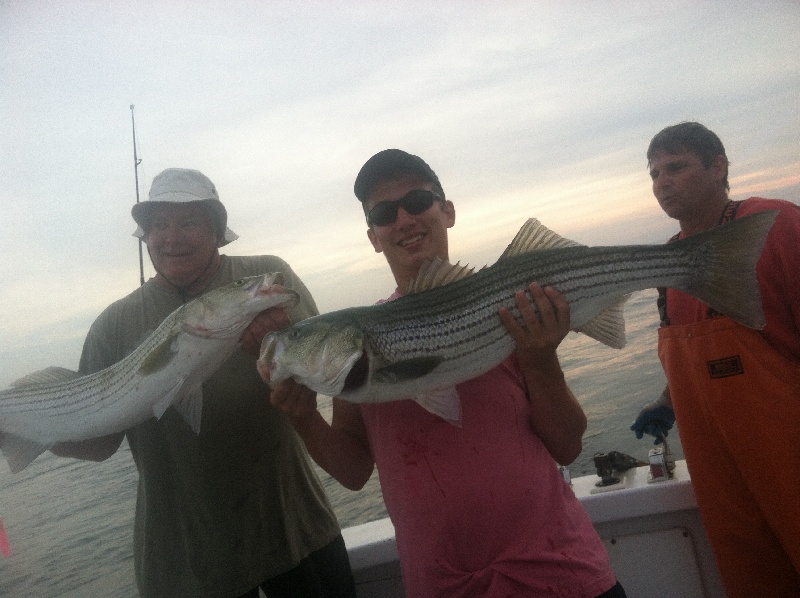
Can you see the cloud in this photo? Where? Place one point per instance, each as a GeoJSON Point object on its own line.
{"type": "Point", "coordinates": [540, 109]}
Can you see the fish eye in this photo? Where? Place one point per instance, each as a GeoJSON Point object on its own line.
{"type": "Point", "coordinates": [293, 334]}
{"type": "Point", "coordinates": [239, 282]}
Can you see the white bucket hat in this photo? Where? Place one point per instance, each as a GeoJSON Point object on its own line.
{"type": "Point", "coordinates": [182, 185]}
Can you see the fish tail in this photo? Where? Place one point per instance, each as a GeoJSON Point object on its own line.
{"type": "Point", "coordinates": [726, 274]}
{"type": "Point", "coordinates": [5, 546]}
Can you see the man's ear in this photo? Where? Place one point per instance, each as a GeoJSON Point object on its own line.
{"type": "Point", "coordinates": [450, 210]}
{"type": "Point", "coordinates": [374, 240]}
{"type": "Point", "coordinates": [720, 165]}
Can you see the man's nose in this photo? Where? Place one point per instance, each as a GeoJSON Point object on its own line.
{"type": "Point", "coordinates": [662, 180]}
{"type": "Point", "coordinates": [403, 217]}
{"type": "Point", "coordinates": [171, 233]}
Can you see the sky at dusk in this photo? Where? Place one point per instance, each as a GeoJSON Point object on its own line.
{"type": "Point", "coordinates": [524, 109]}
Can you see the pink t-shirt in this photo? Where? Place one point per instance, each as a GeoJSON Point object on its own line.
{"type": "Point", "coordinates": [482, 510]}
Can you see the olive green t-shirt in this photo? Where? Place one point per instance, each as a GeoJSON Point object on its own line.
{"type": "Point", "coordinates": [219, 512]}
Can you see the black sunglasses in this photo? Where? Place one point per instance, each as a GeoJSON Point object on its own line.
{"type": "Point", "coordinates": [414, 202]}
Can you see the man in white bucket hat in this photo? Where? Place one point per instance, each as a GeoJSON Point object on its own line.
{"type": "Point", "coordinates": [237, 507]}
{"type": "Point", "coordinates": [192, 195]}
{"type": "Point", "coordinates": [184, 185]}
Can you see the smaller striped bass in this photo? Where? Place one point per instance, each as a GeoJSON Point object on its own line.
{"type": "Point", "coordinates": [167, 369]}
{"type": "Point", "coordinates": [448, 330]}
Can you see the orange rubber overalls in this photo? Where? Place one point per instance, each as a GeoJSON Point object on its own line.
{"type": "Point", "coordinates": [737, 403]}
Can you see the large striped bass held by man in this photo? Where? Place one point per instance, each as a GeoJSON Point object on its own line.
{"type": "Point", "coordinates": [167, 369]}
{"type": "Point", "coordinates": [447, 330]}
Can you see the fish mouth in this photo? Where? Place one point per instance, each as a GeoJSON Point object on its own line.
{"type": "Point", "coordinates": [275, 278]}
{"type": "Point", "coordinates": [271, 348]}
{"type": "Point", "coordinates": [358, 374]}
{"type": "Point", "coordinates": [272, 286]}
{"type": "Point", "coordinates": [326, 364]}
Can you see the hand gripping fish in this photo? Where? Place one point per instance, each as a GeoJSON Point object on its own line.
{"type": "Point", "coordinates": [446, 329]}
{"type": "Point", "coordinates": [168, 368]}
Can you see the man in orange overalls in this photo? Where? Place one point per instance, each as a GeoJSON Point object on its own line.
{"type": "Point", "coordinates": [735, 391]}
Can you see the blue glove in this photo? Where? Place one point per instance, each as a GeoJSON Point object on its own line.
{"type": "Point", "coordinates": [655, 422]}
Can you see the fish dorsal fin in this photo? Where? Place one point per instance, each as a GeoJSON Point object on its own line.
{"type": "Point", "coordinates": [535, 236]}
{"type": "Point", "coordinates": [49, 375]}
{"type": "Point", "coordinates": [437, 273]}
{"type": "Point", "coordinates": [444, 403]}
{"type": "Point", "coordinates": [608, 326]}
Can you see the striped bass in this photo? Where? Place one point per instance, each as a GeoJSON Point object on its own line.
{"type": "Point", "coordinates": [446, 329]}
{"type": "Point", "coordinates": [168, 368]}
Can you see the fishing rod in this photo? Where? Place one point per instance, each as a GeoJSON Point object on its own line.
{"type": "Point", "coordinates": [136, 162]}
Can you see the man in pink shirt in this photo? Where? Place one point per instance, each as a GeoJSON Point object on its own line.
{"type": "Point", "coordinates": [479, 510]}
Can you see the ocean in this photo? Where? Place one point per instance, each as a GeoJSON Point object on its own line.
{"type": "Point", "coordinates": [70, 523]}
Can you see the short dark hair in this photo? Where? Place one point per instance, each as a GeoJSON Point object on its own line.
{"type": "Point", "coordinates": [688, 136]}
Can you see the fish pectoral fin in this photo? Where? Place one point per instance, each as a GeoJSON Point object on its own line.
{"type": "Point", "coordinates": [409, 369]}
{"type": "Point", "coordinates": [190, 406]}
{"type": "Point", "coordinates": [444, 403]}
{"type": "Point", "coordinates": [535, 236]}
{"type": "Point", "coordinates": [160, 356]}
{"type": "Point", "coordinates": [49, 375]}
{"type": "Point", "coordinates": [608, 326]}
{"type": "Point", "coordinates": [19, 451]}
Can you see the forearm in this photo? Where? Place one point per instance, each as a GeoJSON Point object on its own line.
{"type": "Point", "coordinates": [341, 448]}
{"type": "Point", "coordinates": [557, 417]}
{"type": "Point", "coordinates": [665, 398]}
{"type": "Point", "coordinates": [342, 454]}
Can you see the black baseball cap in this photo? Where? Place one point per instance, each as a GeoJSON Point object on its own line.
{"type": "Point", "coordinates": [390, 164]}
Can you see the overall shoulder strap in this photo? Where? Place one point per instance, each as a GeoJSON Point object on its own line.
{"type": "Point", "coordinates": [661, 302]}
{"type": "Point", "coordinates": [729, 212]}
